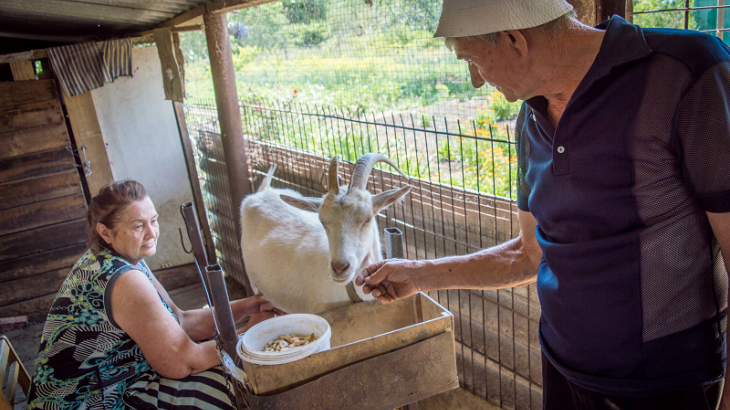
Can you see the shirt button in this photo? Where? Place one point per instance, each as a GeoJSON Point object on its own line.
{"type": "Point", "coordinates": [561, 149]}
{"type": "Point", "coordinates": [532, 116]}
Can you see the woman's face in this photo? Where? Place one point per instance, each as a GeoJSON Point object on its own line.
{"type": "Point", "coordinates": [136, 233]}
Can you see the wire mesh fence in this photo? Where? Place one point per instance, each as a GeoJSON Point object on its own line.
{"type": "Point", "coordinates": [320, 78]}
{"type": "Point", "coordinates": [702, 15]}
{"type": "Point", "coordinates": [204, 133]}
{"type": "Point", "coordinates": [463, 177]}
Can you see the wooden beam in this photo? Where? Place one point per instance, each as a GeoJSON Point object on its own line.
{"type": "Point", "coordinates": [25, 55]}
{"type": "Point", "coordinates": [38, 263]}
{"type": "Point", "coordinates": [87, 132]}
{"type": "Point", "coordinates": [212, 7]}
{"type": "Point", "coordinates": [607, 8]}
{"type": "Point", "coordinates": [11, 323]}
{"type": "Point", "coordinates": [194, 27]}
{"type": "Point", "coordinates": [22, 70]}
{"type": "Point", "coordinates": [40, 163]}
{"type": "Point", "coordinates": [585, 10]}
{"type": "Point", "coordinates": [184, 18]}
{"type": "Point", "coordinates": [41, 188]}
{"type": "Point", "coordinates": [224, 6]}
{"type": "Point", "coordinates": [43, 239]}
{"type": "Point", "coordinates": [15, 94]}
{"type": "Point", "coordinates": [229, 115]}
{"type": "Point", "coordinates": [42, 53]}
{"type": "Point", "coordinates": [29, 140]}
{"type": "Point", "coordinates": [39, 214]}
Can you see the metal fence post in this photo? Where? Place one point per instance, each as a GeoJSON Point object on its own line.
{"type": "Point", "coordinates": [393, 243]}
{"type": "Point", "coordinates": [394, 249]}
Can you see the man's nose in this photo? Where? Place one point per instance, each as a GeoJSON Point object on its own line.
{"type": "Point", "coordinates": [476, 78]}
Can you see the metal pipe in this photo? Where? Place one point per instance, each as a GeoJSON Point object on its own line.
{"type": "Point", "coordinates": [201, 260]}
{"type": "Point", "coordinates": [229, 115]}
{"type": "Point", "coordinates": [222, 311]}
{"type": "Point", "coordinates": [393, 243]}
{"type": "Point", "coordinates": [223, 317]}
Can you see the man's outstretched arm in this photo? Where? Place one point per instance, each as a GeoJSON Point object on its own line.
{"type": "Point", "coordinates": [513, 263]}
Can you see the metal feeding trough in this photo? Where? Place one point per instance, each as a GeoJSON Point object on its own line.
{"type": "Point", "coordinates": [381, 356]}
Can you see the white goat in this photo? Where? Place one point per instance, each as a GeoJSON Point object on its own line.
{"type": "Point", "coordinates": [301, 252]}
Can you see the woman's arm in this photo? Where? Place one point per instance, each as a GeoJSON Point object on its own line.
{"type": "Point", "coordinates": [198, 323]}
{"type": "Point", "coordinates": [136, 308]}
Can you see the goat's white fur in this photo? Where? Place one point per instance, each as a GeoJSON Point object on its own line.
{"type": "Point", "coordinates": [289, 256]}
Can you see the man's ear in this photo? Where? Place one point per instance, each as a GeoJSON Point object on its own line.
{"type": "Point", "coordinates": [517, 41]}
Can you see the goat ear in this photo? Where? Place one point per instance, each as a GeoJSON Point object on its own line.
{"type": "Point", "coordinates": [386, 198]}
{"type": "Point", "coordinates": [307, 204]}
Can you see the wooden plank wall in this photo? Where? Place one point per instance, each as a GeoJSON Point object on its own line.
{"type": "Point", "coordinates": [42, 205]}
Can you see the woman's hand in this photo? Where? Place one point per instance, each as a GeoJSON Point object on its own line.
{"type": "Point", "coordinates": [257, 318]}
{"type": "Point", "coordinates": [258, 308]}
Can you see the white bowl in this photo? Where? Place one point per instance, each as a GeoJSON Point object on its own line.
{"type": "Point", "coordinates": [250, 347]}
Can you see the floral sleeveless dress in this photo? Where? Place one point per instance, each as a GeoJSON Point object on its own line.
{"type": "Point", "coordinates": [85, 361]}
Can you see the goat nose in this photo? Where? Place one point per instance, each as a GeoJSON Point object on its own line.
{"type": "Point", "coordinates": [340, 267]}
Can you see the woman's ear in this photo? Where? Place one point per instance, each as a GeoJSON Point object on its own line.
{"type": "Point", "coordinates": [104, 232]}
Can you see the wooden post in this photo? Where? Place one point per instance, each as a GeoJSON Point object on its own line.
{"type": "Point", "coordinates": [585, 10]}
{"type": "Point", "coordinates": [22, 70]}
{"type": "Point", "coordinates": [229, 116]}
{"type": "Point", "coordinates": [87, 132]}
{"type": "Point", "coordinates": [607, 8]}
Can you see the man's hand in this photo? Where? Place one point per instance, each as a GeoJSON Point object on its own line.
{"type": "Point", "coordinates": [389, 280]}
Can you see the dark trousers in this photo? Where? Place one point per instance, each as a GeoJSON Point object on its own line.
{"type": "Point", "coordinates": [560, 394]}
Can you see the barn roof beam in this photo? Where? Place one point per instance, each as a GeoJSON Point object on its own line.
{"type": "Point", "coordinates": [195, 14]}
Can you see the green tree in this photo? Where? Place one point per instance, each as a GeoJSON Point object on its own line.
{"type": "Point", "coordinates": [264, 25]}
{"type": "Point", "coordinates": [665, 18]}
{"type": "Point", "coordinates": [304, 11]}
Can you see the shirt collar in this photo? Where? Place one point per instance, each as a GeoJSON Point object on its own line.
{"type": "Point", "coordinates": [622, 43]}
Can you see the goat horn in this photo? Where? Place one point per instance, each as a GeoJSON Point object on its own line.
{"type": "Point", "coordinates": [364, 166]}
{"type": "Point", "coordinates": [332, 185]}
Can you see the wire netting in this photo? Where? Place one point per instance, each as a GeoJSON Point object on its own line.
{"type": "Point", "coordinates": [702, 15]}
{"type": "Point", "coordinates": [319, 78]}
{"type": "Point", "coordinates": [460, 203]}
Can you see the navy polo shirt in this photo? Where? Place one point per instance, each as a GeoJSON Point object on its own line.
{"type": "Point", "coordinates": [632, 284]}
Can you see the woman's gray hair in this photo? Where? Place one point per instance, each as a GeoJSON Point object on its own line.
{"type": "Point", "coordinates": [558, 25]}
{"type": "Point", "coordinates": [106, 207]}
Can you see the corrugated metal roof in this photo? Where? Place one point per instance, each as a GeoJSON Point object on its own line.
{"type": "Point", "coordinates": [83, 20]}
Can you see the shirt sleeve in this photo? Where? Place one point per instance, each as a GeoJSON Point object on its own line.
{"type": "Point", "coordinates": [703, 131]}
{"type": "Point", "coordinates": [523, 156]}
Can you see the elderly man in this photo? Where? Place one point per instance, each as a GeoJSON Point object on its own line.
{"type": "Point", "coordinates": [624, 202]}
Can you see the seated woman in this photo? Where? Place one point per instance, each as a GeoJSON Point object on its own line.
{"type": "Point", "coordinates": [113, 337]}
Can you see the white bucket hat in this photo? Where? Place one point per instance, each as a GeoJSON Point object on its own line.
{"type": "Point", "coordinates": [461, 18]}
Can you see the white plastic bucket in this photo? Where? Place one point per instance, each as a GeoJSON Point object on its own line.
{"type": "Point", "coordinates": [250, 347]}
